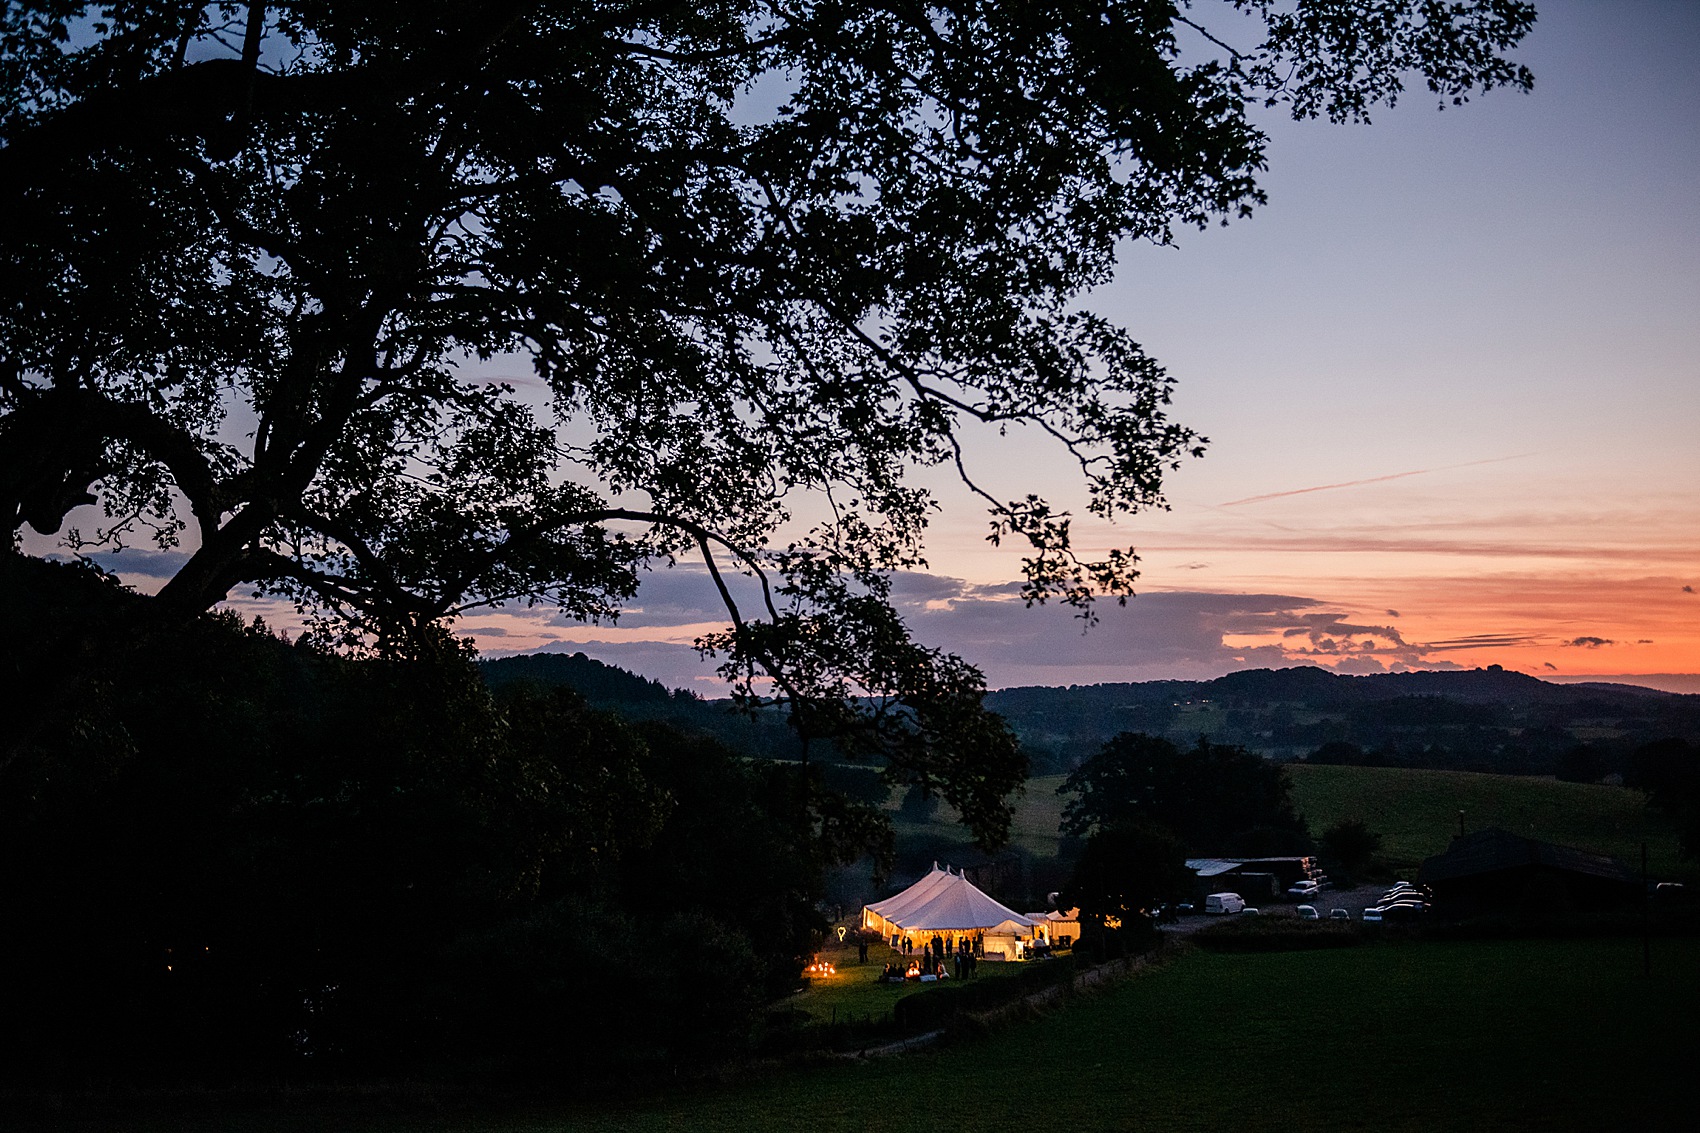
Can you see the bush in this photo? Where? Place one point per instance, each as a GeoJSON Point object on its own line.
{"type": "Point", "coordinates": [939, 1006]}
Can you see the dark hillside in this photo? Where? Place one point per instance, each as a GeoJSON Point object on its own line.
{"type": "Point", "coordinates": [1488, 720]}
{"type": "Point", "coordinates": [637, 698]}
{"type": "Point", "coordinates": [598, 683]}
{"type": "Point", "coordinates": [1476, 720]}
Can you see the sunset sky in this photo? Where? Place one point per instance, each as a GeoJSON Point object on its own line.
{"type": "Point", "coordinates": [1449, 376]}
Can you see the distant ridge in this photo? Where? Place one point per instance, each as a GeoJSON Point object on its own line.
{"type": "Point", "coordinates": [638, 698]}
{"type": "Point", "coordinates": [1490, 719]}
{"type": "Point", "coordinates": [1490, 685]}
{"type": "Point", "coordinates": [599, 683]}
{"type": "Point", "coordinates": [1618, 686]}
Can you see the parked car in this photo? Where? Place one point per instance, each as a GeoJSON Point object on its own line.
{"type": "Point", "coordinates": [1339, 914]}
{"type": "Point", "coordinates": [1309, 913]}
{"type": "Point", "coordinates": [1250, 911]}
{"type": "Point", "coordinates": [1218, 903]}
{"type": "Point", "coordinates": [1402, 912]}
{"type": "Point", "coordinates": [1304, 889]}
{"type": "Point", "coordinates": [1372, 915]}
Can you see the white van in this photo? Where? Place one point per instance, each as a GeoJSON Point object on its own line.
{"type": "Point", "coordinates": [1224, 903]}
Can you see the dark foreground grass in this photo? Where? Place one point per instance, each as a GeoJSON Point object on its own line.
{"type": "Point", "coordinates": [1521, 1035]}
{"type": "Point", "coordinates": [1515, 1036]}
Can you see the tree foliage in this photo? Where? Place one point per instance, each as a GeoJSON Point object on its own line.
{"type": "Point", "coordinates": [1215, 797]}
{"type": "Point", "coordinates": [239, 852]}
{"type": "Point", "coordinates": [760, 260]}
{"type": "Point", "coordinates": [1668, 771]}
{"type": "Point", "coordinates": [1349, 846]}
{"type": "Point", "coordinates": [1123, 873]}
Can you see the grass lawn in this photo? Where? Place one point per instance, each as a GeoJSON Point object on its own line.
{"type": "Point", "coordinates": [854, 993]}
{"type": "Point", "coordinates": [1416, 812]}
{"type": "Point", "coordinates": [1517, 1035]}
{"type": "Point", "coordinates": [1524, 1035]}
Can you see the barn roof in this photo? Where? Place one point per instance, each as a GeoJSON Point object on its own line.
{"type": "Point", "coordinates": [1215, 867]}
{"type": "Point", "coordinates": [1493, 850]}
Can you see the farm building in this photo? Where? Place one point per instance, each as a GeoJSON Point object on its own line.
{"type": "Point", "coordinates": [1495, 870]}
{"type": "Point", "coordinates": [1251, 877]}
{"type": "Point", "coordinates": [947, 907]}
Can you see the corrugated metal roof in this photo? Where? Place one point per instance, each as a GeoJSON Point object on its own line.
{"type": "Point", "coordinates": [1211, 867]}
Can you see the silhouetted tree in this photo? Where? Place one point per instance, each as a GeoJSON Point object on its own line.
{"type": "Point", "coordinates": [1123, 873]}
{"type": "Point", "coordinates": [1337, 753]}
{"type": "Point", "coordinates": [241, 852]}
{"type": "Point", "coordinates": [918, 805]}
{"type": "Point", "coordinates": [754, 254]}
{"type": "Point", "coordinates": [1668, 771]}
{"type": "Point", "coordinates": [1209, 796]}
{"type": "Point", "coordinates": [1349, 846]}
{"type": "Point", "coordinates": [1581, 763]}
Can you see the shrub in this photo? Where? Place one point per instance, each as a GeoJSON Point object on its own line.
{"type": "Point", "coordinates": [939, 1006]}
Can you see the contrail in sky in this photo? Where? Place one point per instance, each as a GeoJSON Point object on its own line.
{"type": "Point", "coordinates": [1373, 480]}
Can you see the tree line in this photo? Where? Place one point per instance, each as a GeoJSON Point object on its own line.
{"type": "Point", "coordinates": [238, 851]}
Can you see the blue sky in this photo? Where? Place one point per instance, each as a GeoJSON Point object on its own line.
{"type": "Point", "coordinates": [1451, 377]}
{"type": "Point", "coordinates": [1449, 374]}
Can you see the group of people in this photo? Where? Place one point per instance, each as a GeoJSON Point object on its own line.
{"type": "Point", "coordinates": [897, 973]}
{"type": "Point", "coordinates": [961, 952]}
{"type": "Point", "coordinates": [940, 946]}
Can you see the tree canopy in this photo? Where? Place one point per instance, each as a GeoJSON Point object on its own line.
{"type": "Point", "coordinates": [1123, 874]}
{"type": "Point", "coordinates": [246, 854]}
{"type": "Point", "coordinates": [761, 260]}
{"type": "Point", "coordinates": [1216, 798]}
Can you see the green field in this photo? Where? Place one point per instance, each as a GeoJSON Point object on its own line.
{"type": "Point", "coordinates": [1525, 1035]}
{"type": "Point", "coordinates": [1038, 813]}
{"type": "Point", "coordinates": [1416, 812]}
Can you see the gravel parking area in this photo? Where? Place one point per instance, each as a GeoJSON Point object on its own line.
{"type": "Point", "coordinates": [1353, 900]}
